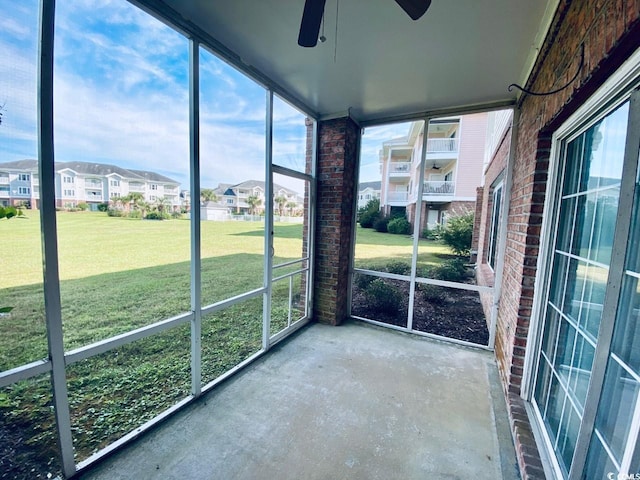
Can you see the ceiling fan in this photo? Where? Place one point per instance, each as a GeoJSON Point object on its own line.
{"type": "Point", "coordinates": [314, 10]}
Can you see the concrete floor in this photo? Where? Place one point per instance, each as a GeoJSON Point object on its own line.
{"type": "Point", "coordinates": [349, 402]}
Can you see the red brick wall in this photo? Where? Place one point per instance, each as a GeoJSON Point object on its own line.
{"type": "Point", "coordinates": [610, 32]}
{"type": "Point", "coordinates": [338, 142]}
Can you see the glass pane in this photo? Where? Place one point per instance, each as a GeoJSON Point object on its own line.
{"type": "Point", "coordinates": [568, 434]}
{"type": "Point", "coordinates": [389, 157]}
{"type": "Point", "coordinates": [566, 344]}
{"type": "Point", "coordinates": [288, 301]}
{"type": "Point", "coordinates": [559, 274]}
{"type": "Point", "coordinates": [566, 219]}
{"type": "Point", "coordinates": [232, 178]}
{"type": "Point", "coordinates": [288, 220]}
{"type": "Point", "coordinates": [450, 312]}
{"type": "Point", "coordinates": [289, 137]}
{"type": "Point", "coordinates": [22, 331]}
{"type": "Point", "coordinates": [555, 404]}
{"type": "Point", "coordinates": [29, 446]}
{"type": "Point", "coordinates": [573, 166]}
{"type": "Point", "coordinates": [122, 151]}
{"type": "Point", "coordinates": [593, 300]}
{"type": "Point", "coordinates": [230, 336]}
{"type": "Point", "coordinates": [543, 380]}
{"type": "Point", "coordinates": [118, 391]}
{"type": "Point", "coordinates": [575, 287]}
{"type": "Point", "coordinates": [616, 407]}
{"type": "Point", "coordinates": [599, 464]}
{"type": "Point", "coordinates": [381, 299]}
{"type": "Point", "coordinates": [550, 334]}
{"type": "Point", "coordinates": [581, 365]}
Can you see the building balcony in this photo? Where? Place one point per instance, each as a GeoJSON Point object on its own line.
{"type": "Point", "coordinates": [439, 191]}
{"type": "Point", "coordinates": [442, 145]}
{"type": "Point", "coordinates": [397, 198]}
{"type": "Point", "coordinates": [349, 402]}
{"type": "Point", "coordinates": [4, 193]}
{"type": "Point", "coordinates": [400, 169]}
{"type": "Point", "coordinates": [137, 188]}
{"type": "Point", "coordinates": [92, 196]}
{"type": "Point", "coordinates": [4, 180]}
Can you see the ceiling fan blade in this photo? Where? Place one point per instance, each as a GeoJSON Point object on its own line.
{"type": "Point", "coordinates": [414, 8]}
{"type": "Point", "coordinates": [310, 24]}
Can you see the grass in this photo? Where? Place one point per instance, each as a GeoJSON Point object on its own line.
{"type": "Point", "coordinates": [118, 274]}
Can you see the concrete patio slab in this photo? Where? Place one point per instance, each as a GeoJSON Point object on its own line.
{"type": "Point", "coordinates": [348, 402]}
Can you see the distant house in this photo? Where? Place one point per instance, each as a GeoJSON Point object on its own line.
{"type": "Point", "coordinates": [84, 182]}
{"type": "Point", "coordinates": [237, 197]}
{"type": "Point", "coordinates": [368, 191]}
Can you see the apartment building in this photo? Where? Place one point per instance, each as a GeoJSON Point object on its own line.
{"type": "Point", "coordinates": [248, 197]}
{"type": "Point", "coordinates": [455, 156]}
{"type": "Point", "coordinates": [368, 191]}
{"type": "Point", "coordinates": [84, 182]}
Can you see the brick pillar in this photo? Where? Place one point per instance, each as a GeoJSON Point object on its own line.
{"type": "Point", "coordinates": [338, 142]}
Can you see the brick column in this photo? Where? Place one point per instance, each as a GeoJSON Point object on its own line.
{"type": "Point", "coordinates": [338, 142]}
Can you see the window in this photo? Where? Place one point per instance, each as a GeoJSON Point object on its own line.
{"type": "Point", "coordinates": [67, 179]}
{"type": "Point", "coordinates": [114, 183]}
{"type": "Point", "coordinates": [115, 195]}
{"type": "Point", "coordinates": [495, 225]}
{"type": "Point", "coordinates": [24, 190]}
{"type": "Point", "coordinates": [152, 198]}
{"type": "Point", "coordinates": [154, 186]}
{"type": "Point", "coordinates": [229, 201]}
{"type": "Point", "coordinates": [69, 193]}
{"type": "Point", "coordinates": [597, 212]}
{"type": "Point", "coordinates": [24, 177]}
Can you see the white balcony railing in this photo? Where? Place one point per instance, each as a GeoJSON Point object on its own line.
{"type": "Point", "coordinates": [4, 180]}
{"type": "Point", "coordinates": [439, 188]}
{"type": "Point", "coordinates": [397, 197]}
{"type": "Point", "coordinates": [442, 145]}
{"type": "Point", "coordinates": [399, 168]}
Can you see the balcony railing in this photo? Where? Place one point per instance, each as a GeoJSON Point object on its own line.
{"type": "Point", "coordinates": [398, 197]}
{"type": "Point", "coordinates": [400, 168]}
{"type": "Point", "coordinates": [440, 187]}
{"type": "Point", "coordinates": [442, 145]}
{"type": "Point", "coordinates": [4, 180]}
{"type": "Point", "coordinates": [136, 188]}
{"type": "Point", "coordinates": [93, 184]}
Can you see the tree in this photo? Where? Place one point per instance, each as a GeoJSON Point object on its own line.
{"type": "Point", "coordinates": [368, 214]}
{"type": "Point", "coordinates": [280, 201]}
{"type": "Point", "coordinates": [291, 205]}
{"type": "Point", "coordinates": [208, 195]}
{"type": "Point", "coordinates": [253, 201]}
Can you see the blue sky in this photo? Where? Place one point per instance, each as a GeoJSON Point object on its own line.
{"type": "Point", "coordinates": [121, 96]}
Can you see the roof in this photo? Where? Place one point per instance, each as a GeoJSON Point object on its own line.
{"type": "Point", "coordinates": [250, 184]}
{"type": "Point", "coordinates": [92, 168]}
{"type": "Point", "coordinates": [372, 185]}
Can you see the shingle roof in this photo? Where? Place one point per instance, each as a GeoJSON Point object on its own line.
{"type": "Point", "coordinates": [92, 168]}
{"type": "Point", "coordinates": [372, 185]}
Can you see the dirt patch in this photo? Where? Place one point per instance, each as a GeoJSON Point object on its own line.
{"type": "Point", "coordinates": [448, 312]}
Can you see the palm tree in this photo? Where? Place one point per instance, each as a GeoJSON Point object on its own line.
{"type": "Point", "coordinates": [253, 201]}
{"type": "Point", "coordinates": [291, 205]}
{"type": "Point", "coordinates": [208, 195]}
{"type": "Point", "coordinates": [280, 201]}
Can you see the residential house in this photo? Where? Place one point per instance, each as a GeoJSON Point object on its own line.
{"type": "Point", "coordinates": [85, 182]}
{"type": "Point", "coordinates": [368, 191]}
{"type": "Point", "coordinates": [453, 168]}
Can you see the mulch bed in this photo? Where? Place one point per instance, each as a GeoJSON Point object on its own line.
{"type": "Point", "coordinates": [456, 314]}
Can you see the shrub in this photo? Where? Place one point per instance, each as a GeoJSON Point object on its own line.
{"type": "Point", "coordinates": [380, 225]}
{"type": "Point", "coordinates": [135, 214]}
{"type": "Point", "coordinates": [434, 233]}
{"type": "Point", "coordinates": [112, 212]}
{"type": "Point", "coordinates": [383, 297]}
{"type": "Point", "coordinates": [433, 293]}
{"type": "Point", "coordinates": [157, 216]}
{"type": "Point", "coordinates": [83, 206]}
{"type": "Point", "coordinates": [9, 212]}
{"type": "Point", "coordinates": [176, 215]}
{"type": "Point", "coordinates": [458, 234]}
{"type": "Point", "coordinates": [362, 280]}
{"type": "Point", "coordinates": [450, 271]}
{"type": "Point", "coordinates": [368, 214]}
{"type": "Point", "coordinates": [103, 207]}
{"type": "Point", "coordinates": [399, 268]}
{"type": "Point", "coordinates": [399, 226]}
{"type": "Point", "coordinates": [367, 219]}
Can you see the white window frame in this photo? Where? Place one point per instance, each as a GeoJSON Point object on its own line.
{"type": "Point", "coordinates": [494, 231]}
{"type": "Point", "coordinates": [24, 177]}
{"type": "Point", "coordinates": [24, 191]}
{"type": "Point", "coordinates": [610, 95]}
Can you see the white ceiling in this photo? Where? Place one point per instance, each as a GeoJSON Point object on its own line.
{"type": "Point", "coordinates": [461, 53]}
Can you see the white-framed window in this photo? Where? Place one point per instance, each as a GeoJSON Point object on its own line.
{"type": "Point", "coordinates": [494, 230]}
{"type": "Point", "coordinates": [154, 186]}
{"type": "Point", "coordinates": [115, 195]}
{"type": "Point", "coordinates": [114, 183]}
{"type": "Point", "coordinates": [67, 179]}
{"type": "Point", "coordinates": [152, 198]}
{"type": "Point", "coordinates": [69, 193]}
{"type": "Point", "coordinates": [24, 191]}
{"type": "Point", "coordinates": [585, 373]}
{"type": "Point", "coordinates": [24, 177]}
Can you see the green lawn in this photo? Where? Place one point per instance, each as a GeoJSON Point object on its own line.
{"type": "Point", "coordinates": [118, 274]}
